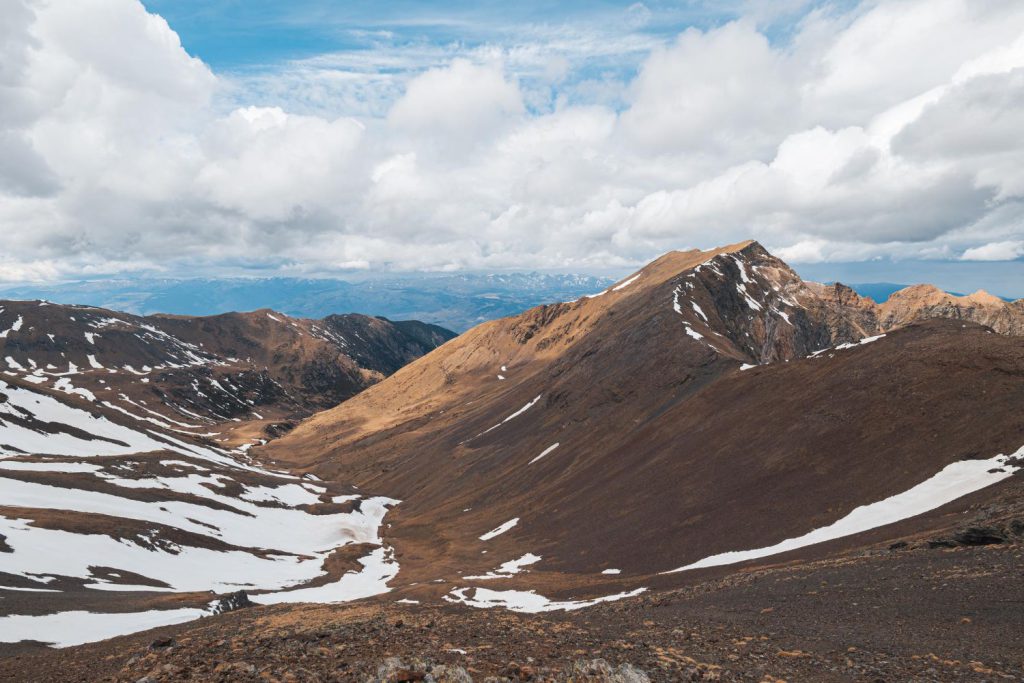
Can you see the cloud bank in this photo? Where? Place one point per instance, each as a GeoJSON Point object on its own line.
{"type": "Point", "coordinates": [892, 129]}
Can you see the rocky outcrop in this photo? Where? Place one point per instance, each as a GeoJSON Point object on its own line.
{"type": "Point", "coordinates": [769, 313]}
{"type": "Point", "coordinates": [922, 302]}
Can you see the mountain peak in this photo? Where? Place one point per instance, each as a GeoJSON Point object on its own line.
{"type": "Point", "coordinates": [984, 298]}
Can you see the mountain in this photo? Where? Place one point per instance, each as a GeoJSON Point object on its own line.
{"type": "Point", "coordinates": [711, 470]}
{"type": "Point", "coordinates": [641, 389]}
{"type": "Point", "coordinates": [456, 301]}
{"type": "Point", "coordinates": [258, 367]}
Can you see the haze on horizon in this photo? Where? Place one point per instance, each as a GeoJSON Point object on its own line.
{"type": "Point", "coordinates": [874, 140]}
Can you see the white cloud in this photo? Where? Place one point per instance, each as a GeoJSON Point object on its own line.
{"type": "Point", "coordinates": [890, 129]}
{"type": "Point", "coordinates": [268, 165]}
{"type": "Point", "coordinates": [725, 92]}
{"type": "Point", "coordinates": [458, 106]}
{"type": "Point", "coordinates": [996, 251]}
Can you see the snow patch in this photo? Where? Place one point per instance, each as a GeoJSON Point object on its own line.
{"type": "Point", "coordinates": [508, 568]}
{"type": "Point", "coordinates": [513, 415]}
{"type": "Point", "coordinates": [500, 530]}
{"type": "Point", "coordinates": [545, 452]}
{"type": "Point", "coordinates": [527, 601]}
{"type": "Point", "coordinates": [65, 629]}
{"type": "Point", "coordinates": [953, 481]}
{"type": "Point", "coordinates": [627, 283]}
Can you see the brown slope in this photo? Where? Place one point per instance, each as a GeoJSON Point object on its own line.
{"type": "Point", "coordinates": [469, 367]}
{"type": "Point", "coordinates": [667, 453]}
{"type": "Point", "coordinates": [260, 366]}
{"type": "Point", "coordinates": [924, 301]}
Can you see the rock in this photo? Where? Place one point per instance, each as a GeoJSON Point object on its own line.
{"type": "Point", "coordinates": [980, 535]}
{"type": "Point", "coordinates": [161, 644]}
{"type": "Point", "coordinates": [232, 602]}
{"type": "Point", "coordinates": [394, 670]}
{"type": "Point", "coordinates": [450, 674]}
{"type": "Point", "coordinates": [600, 671]}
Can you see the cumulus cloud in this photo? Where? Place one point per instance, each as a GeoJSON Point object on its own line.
{"type": "Point", "coordinates": [458, 104]}
{"type": "Point", "coordinates": [996, 251]}
{"type": "Point", "coordinates": [888, 129]}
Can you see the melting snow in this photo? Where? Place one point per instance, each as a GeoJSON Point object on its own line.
{"type": "Point", "coordinates": [742, 289]}
{"type": "Point", "coordinates": [379, 567]}
{"type": "Point", "coordinates": [500, 530]}
{"type": "Point", "coordinates": [297, 542]}
{"type": "Point", "coordinates": [612, 571]}
{"type": "Point", "coordinates": [513, 415]}
{"type": "Point", "coordinates": [64, 384]}
{"type": "Point", "coordinates": [865, 340]}
{"type": "Point", "coordinates": [508, 568]}
{"type": "Point", "coordinates": [953, 481]}
{"type": "Point", "coordinates": [109, 438]}
{"type": "Point", "coordinates": [65, 629]}
{"type": "Point", "coordinates": [52, 466]}
{"type": "Point", "coordinates": [545, 452]}
{"type": "Point", "coordinates": [13, 328]}
{"type": "Point", "coordinates": [625, 284]}
{"type": "Point", "coordinates": [289, 494]}
{"type": "Point", "coordinates": [527, 601]}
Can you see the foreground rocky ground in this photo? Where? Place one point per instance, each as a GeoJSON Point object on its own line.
{"type": "Point", "coordinates": [906, 614]}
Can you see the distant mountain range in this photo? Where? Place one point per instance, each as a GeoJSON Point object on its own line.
{"type": "Point", "coordinates": [881, 291]}
{"type": "Point", "coordinates": [456, 302]}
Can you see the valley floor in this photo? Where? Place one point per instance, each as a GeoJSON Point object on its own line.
{"type": "Point", "coordinates": [914, 614]}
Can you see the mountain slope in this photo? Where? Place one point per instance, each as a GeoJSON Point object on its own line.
{"type": "Point", "coordinates": [127, 498]}
{"type": "Point", "coordinates": [217, 370]}
{"type": "Point", "coordinates": [711, 428]}
{"type": "Point", "coordinates": [616, 429]}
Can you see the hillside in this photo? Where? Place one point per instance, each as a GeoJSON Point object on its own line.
{"type": "Point", "coordinates": [636, 476]}
{"type": "Point", "coordinates": [706, 371]}
{"type": "Point", "coordinates": [257, 371]}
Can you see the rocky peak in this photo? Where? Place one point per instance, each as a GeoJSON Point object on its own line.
{"type": "Point", "coordinates": [744, 302]}
{"type": "Point", "coordinates": [921, 302]}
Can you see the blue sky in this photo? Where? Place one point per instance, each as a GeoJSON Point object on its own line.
{"type": "Point", "coordinates": [261, 44]}
{"type": "Point", "coordinates": [230, 34]}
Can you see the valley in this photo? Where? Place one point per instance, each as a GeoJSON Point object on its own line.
{"type": "Point", "coordinates": [706, 471]}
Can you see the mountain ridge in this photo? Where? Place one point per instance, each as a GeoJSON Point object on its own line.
{"type": "Point", "coordinates": [709, 422]}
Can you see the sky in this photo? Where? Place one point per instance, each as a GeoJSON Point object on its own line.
{"type": "Point", "coordinates": [319, 137]}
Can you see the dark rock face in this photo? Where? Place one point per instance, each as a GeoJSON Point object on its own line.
{"type": "Point", "coordinates": [384, 346]}
{"type": "Point", "coordinates": [162, 644]}
{"type": "Point", "coordinates": [232, 602]}
{"type": "Point", "coordinates": [4, 548]}
{"type": "Point", "coordinates": [973, 536]}
{"type": "Point", "coordinates": [980, 535]}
